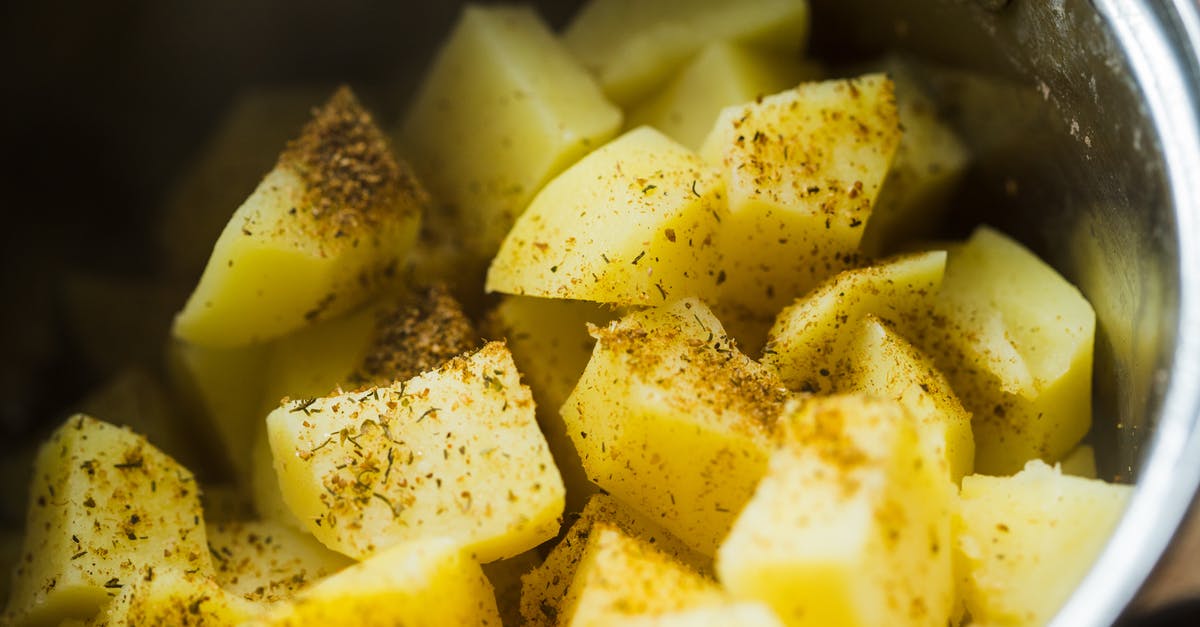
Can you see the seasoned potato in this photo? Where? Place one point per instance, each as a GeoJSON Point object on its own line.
{"type": "Point", "coordinates": [672, 419]}
{"type": "Point", "coordinates": [426, 582]}
{"type": "Point", "coordinates": [634, 46]}
{"type": "Point", "coordinates": [850, 525]}
{"type": "Point", "coordinates": [106, 508]}
{"type": "Point", "coordinates": [631, 223]}
{"type": "Point", "coordinates": [504, 85]}
{"type": "Point", "coordinates": [267, 561]}
{"type": "Point", "coordinates": [453, 452]}
{"type": "Point", "coordinates": [723, 74]}
{"type": "Point", "coordinates": [324, 231]}
{"type": "Point", "coordinates": [1024, 542]}
{"type": "Point", "coordinates": [803, 169]}
{"type": "Point", "coordinates": [174, 597]}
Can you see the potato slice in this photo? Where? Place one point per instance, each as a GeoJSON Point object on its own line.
{"type": "Point", "coordinates": [427, 582]}
{"type": "Point", "coordinates": [887, 366]}
{"type": "Point", "coordinates": [811, 343]}
{"type": "Point", "coordinates": [850, 525]}
{"type": "Point", "coordinates": [631, 223]}
{"type": "Point", "coordinates": [803, 168]}
{"type": "Point", "coordinates": [453, 452]}
{"type": "Point", "coordinates": [267, 561]}
{"type": "Point", "coordinates": [634, 46]}
{"type": "Point", "coordinates": [672, 419]}
{"type": "Point", "coordinates": [504, 86]}
{"type": "Point", "coordinates": [174, 597]}
{"type": "Point", "coordinates": [1024, 542]}
{"type": "Point", "coordinates": [1015, 340]}
{"type": "Point", "coordinates": [723, 74]}
{"type": "Point", "coordinates": [106, 508]}
{"type": "Point", "coordinates": [544, 588]}
{"type": "Point", "coordinates": [325, 230]}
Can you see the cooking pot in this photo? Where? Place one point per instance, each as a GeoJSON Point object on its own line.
{"type": "Point", "coordinates": [1083, 116]}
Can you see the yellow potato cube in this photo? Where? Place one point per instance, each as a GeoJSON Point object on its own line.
{"type": "Point", "coordinates": [544, 588]}
{"type": "Point", "coordinates": [723, 74]}
{"type": "Point", "coordinates": [811, 343]}
{"type": "Point", "coordinates": [106, 508]}
{"type": "Point", "coordinates": [453, 452]}
{"type": "Point", "coordinates": [850, 525]}
{"type": "Point", "coordinates": [634, 46]}
{"type": "Point", "coordinates": [325, 230]}
{"type": "Point", "coordinates": [1024, 542]}
{"type": "Point", "coordinates": [803, 169]}
{"type": "Point", "coordinates": [1015, 340]}
{"type": "Point", "coordinates": [631, 223]}
{"type": "Point", "coordinates": [266, 561]}
{"type": "Point", "coordinates": [673, 420]}
{"type": "Point", "coordinates": [504, 86]}
{"type": "Point", "coordinates": [886, 366]}
{"type": "Point", "coordinates": [175, 597]}
{"type": "Point", "coordinates": [928, 164]}
{"type": "Point", "coordinates": [429, 582]}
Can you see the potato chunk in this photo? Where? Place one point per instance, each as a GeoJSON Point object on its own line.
{"type": "Point", "coordinates": [428, 582]}
{"type": "Point", "coordinates": [803, 169]}
{"type": "Point", "coordinates": [106, 508]}
{"type": "Point", "coordinates": [1015, 340]}
{"type": "Point", "coordinates": [454, 452]}
{"type": "Point", "coordinates": [267, 561]}
{"type": "Point", "coordinates": [174, 597]}
{"type": "Point", "coordinates": [850, 525]}
{"type": "Point", "coordinates": [634, 46]}
{"type": "Point", "coordinates": [722, 75]}
{"type": "Point", "coordinates": [503, 110]}
{"type": "Point", "coordinates": [811, 343]}
{"type": "Point", "coordinates": [631, 223]}
{"type": "Point", "coordinates": [325, 230]}
{"type": "Point", "coordinates": [1025, 542]}
{"type": "Point", "coordinates": [672, 419]}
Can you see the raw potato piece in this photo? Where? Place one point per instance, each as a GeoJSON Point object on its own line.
{"type": "Point", "coordinates": [721, 75]}
{"type": "Point", "coordinates": [1015, 340]}
{"type": "Point", "coordinates": [106, 508]}
{"type": "Point", "coordinates": [803, 169]}
{"type": "Point", "coordinates": [454, 452]}
{"type": "Point", "coordinates": [887, 366]}
{"type": "Point", "coordinates": [1025, 542]}
{"type": "Point", "coordinates": [850, 525]}
{"type": "Point", "coordinates": [503, 109]}
{"type": "Point", "coordinates": [325, 230]}
{"type": "Point", "coordinates": [429, 582]}
{"type": "Point", "coordinates": [812, 341]}
{"type": "Point", "coordinates": [174, 597]}
{"type": "Point", "coordinates": [633, 46]}
{"type": "Point", "coordinates": [631, 223]}
{"type": "Point", "coordinates": [670, 418]}
{"type": "Point", "coordinates": [266, 561]}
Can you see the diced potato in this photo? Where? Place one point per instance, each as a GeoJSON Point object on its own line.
{"type": "Point", "coordinates": [928, 164]}
{"type": "Point", "coordinates": [106, 508]}
{"type": "Point", "coordinates": [453, 452]}
{"type": "Point", "coordinates": [1025, 542]}
{"type": "Point", "coordinates": [427, 582]}
{"type": "Point", "coordinates": [544, 588]}
{"type": "Point", "coordinates": [267, 561]}
{"type": "Point", "coordinates": [174, 597]}
{"type": "Point", "coordinates": [634, 46]}
{"type": "Point", "coordinates": [619, 576]}
{"type": "Point", "coordinates": [743, 614]}
{"type": "Point", "coordinates": [812, 341]}
{"type": "Point", "coordinates": [631, 223]}
{"type": "Point", "coordinates": [850, 525]}
{"type": "Point", "coordinates": [673, 420]}
{"type": "Point", "coordinates": [504, 86]}
{"type": "Point", "coordinates": [803, 169]}
{"type": "Point", "coordinates": [1015, 340]}
{"type": "Point", "coordinates": [886, 366]}
{"type": "Point", "coordinates": [1080, 462]}
{"type": "Point", "coordinates": [722, 75]}
{"type": "Point", "coordinates": [550, 344]}
{"type": "Point", "coordinates": [325, 230]}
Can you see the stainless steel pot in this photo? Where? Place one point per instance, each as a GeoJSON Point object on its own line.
{"type": "Point", "coordinates": [1084, 117]}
